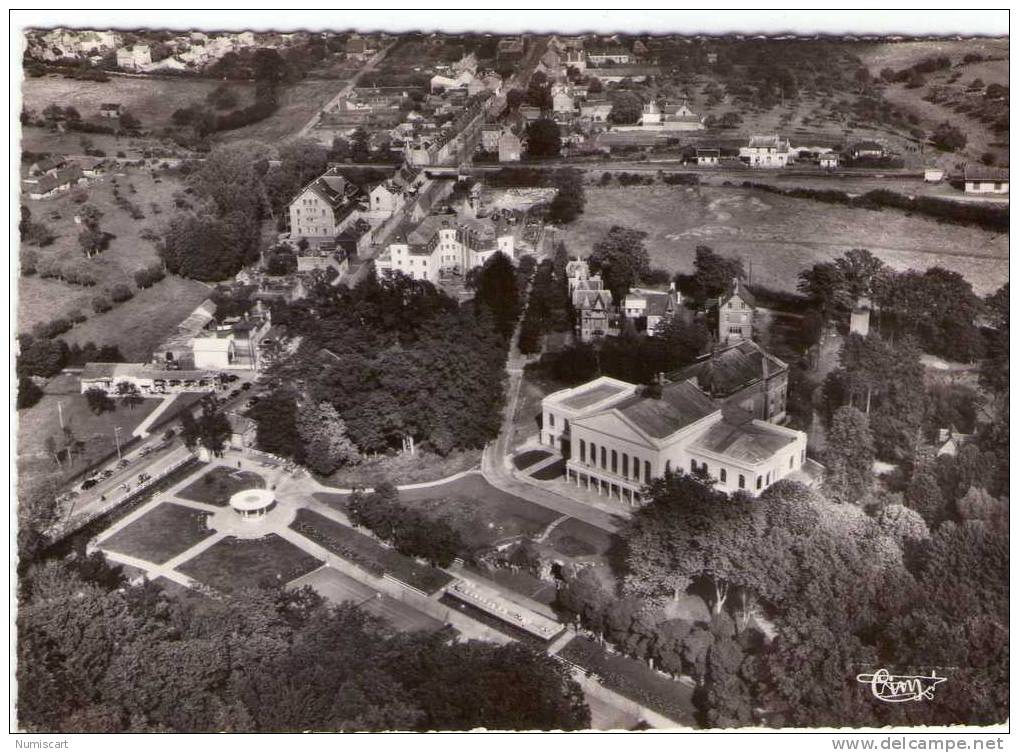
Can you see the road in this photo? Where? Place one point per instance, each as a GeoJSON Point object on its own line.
{"type": "Point", "coordinates": [345, 91]}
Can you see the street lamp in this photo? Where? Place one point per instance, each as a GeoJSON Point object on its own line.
{"type": "Point", "coordinates": [116, 438]}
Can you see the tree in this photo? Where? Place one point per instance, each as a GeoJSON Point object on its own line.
{"type": "Point", "coordinates": [621, 258]}
{"type": "Point", "coordinates": [275, 417]}
{"type": "Point", "coordinates": [90, 215]}
{"type": "Point", "coordinates": [40, 356]}
{"type": "Point", "coordinates": [91, 241]}
{"type": "Point", "coordinates": [128, 391]}
{"type": "Point", "coordinates": [948, 138]}
{"type": "Point", "coordinates": [210, 430]}
{"type": "Point", "coordinates": [496, 290]}
{"type": "Point", "coordinates": [568, 203]}
{"type": "Point", "coordinates": [849, 456]}
{"type": "Point", "coordinates": [714, 273]}
{"type": "Point", "coordinates": [904, 525]}
{"type": "Point", "coordinates": [29, 393]}
{"type": "Point", "coordinates": [98, 401]}
{"type": "Point", "coordinates": [326, 445]}
{"type": "Point", "coordinates": [543, 139]}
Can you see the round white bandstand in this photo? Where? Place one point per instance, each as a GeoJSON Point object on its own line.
{"type": "Point", "coordinates": [252, 504]}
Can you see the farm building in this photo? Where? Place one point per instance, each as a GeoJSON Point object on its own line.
{"type": "Point", "coordinates": [979, 179]}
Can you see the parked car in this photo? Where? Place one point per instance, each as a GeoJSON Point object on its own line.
{"type": "Point", "coordinates": [106, 474]}
{"type": "Point", "coordinates": [89, 483]}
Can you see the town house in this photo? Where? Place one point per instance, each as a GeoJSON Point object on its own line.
{"type": "Point", "coordinates": [766, 151]}
{"type": "Point", "coordinates": [736, 308]}
{"type": "Point", "coordinates": [323, 208]}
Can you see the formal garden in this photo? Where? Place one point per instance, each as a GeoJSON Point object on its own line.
{"type": "Point", "coordinates": [218, 485]}
{"type": "Point", "coordinates": [232, 565]}
{"type": "Point", "coordinates": [161, 534]}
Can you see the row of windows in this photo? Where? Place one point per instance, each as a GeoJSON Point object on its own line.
{"type": "Point", "coordinates": [619, 463]}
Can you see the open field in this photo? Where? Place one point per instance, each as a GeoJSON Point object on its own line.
{"type": "Point", "coordinates": [35, 139]}
{"type": "Point", "coordinates": [161, 534]}
{"type": "Point", "coordinates": [781, 236]}
{"type": "Point", "coordinates": [900, 55]}
{"type": "Point", "coordinates": [236, 564]}
{"type": "Point", "coordinates": [151, 99]}
{"type": "Point", "coordinates": [298, 103]}
{"type": "Point", "coordinates": [218, 485]}
{"type": "Point", "coordinates": [338, 587]}
{"type": "Point", "coordinates": [137, 326]}
{"type": "Point", "coordinates": [42, 420]}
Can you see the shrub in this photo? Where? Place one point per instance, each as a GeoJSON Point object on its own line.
{"type": "Point", "coordinates": [101, 303]}
{"type": "Point", "coordinates": [77, 316]}
{"type": "Point", "coordinates": [28, 393]}
{"type": "Point", "coordinates": [54, 327]}
{"type": "Point", "coordinates": [120, 293]}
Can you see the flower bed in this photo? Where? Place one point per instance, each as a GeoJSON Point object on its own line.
{"type": "Point", "coordinates": [632, 678]}
{"type": "Point", "coordinates": [367, 553]}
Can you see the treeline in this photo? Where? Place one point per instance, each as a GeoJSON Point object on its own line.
{"type": "Point", "coordinates": [42, 357]}
{"type": "Point", "coordinates": [411, 532]}
{"type": "Point", "coordinates": [943, 210]}
{"type": "Point", "coordinates": [548, 307]}
{"type": "Point", "coordinates": [98, 655]}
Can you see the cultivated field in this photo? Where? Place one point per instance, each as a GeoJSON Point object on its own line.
{"type": "Point", "coordinates": [151, 99]}
{"type": "Point", "coordinates": [781, 236]}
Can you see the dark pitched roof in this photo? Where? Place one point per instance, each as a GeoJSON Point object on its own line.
{"type": "Point", "coordinates": [680, 405]}
{"type": "Point", "coordinates": [725, 371]}
{"type": "Point", "coordinates": [980, 172]}
{"type": "Point", "coordinates": [738, 287]}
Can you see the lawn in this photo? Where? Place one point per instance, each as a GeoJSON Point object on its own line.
{"type": "Point", "coordinates": [529, 458]}
{"type": "Point", "coordinates": [575, 538]}
{"type": "Point", "coordinates": [161, 534]}
{"type": "Point", "coordinates": [551, 471]}
{"type": "Point", "coordinates": [481, 513]}
{"type": "Point", "coordinates": [338, 587]}
{"type": "Point", "coordinates": [404, 469]}
{"type": "Point", "coordinates": [367, 553]}
{"type": "Point", "coordinates": [137, 326]}
{"type": "Point", "coordinates": [634, 679]}
{"type": "Point", "coordinates": [236, 564]}
{"type": "Point", "coordinates": [218, 485]}
{"type": "Point", "coordinates": [781, 235]}
{"type": "Point", "coordinates": [96, 432]}
{"type": "Point", "coordinates": [151, 99]}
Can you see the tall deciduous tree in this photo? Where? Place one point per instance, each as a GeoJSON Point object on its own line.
{"type": "Point", "coordinates": [849, 456]}
{"type": "Point", "coordinates": [621, 258]}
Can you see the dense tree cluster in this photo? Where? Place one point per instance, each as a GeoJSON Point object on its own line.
{"type": "Point", "coordinates": [210, 429]}
{"type": "Point", "coordinates": [398, 360]}
{"type": "Point", "coordinates": [220, 232]}
{"type": "Point", "coordinates": [840, 589]}
{"type": "Point", "coordinates": [412, 532]}
{"type": "Point", "coordinates": [97, 655]}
